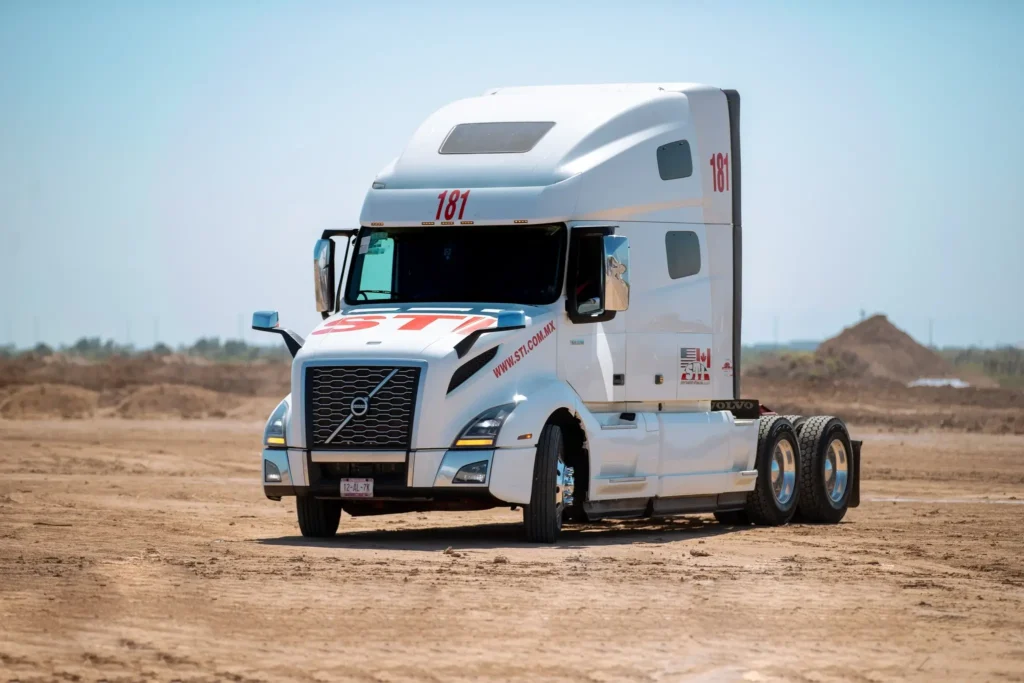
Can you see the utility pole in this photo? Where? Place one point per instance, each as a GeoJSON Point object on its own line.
{"type": "Point", "coordinates": [775, 330]}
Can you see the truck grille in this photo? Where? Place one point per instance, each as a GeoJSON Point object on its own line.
{"type": "Point", "coordinates": [382, 421]}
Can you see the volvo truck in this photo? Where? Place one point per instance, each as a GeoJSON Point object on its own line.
{"type": "Point", "coordinates": [540, 308]}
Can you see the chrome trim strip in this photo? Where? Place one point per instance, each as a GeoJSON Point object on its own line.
{"type": "Point", "coordinates": [632, 426]}
{"type": "Point", "coordinates": [298, 467]}
{"type": "Point", "coordinates": [626, 480]}
{"type": "Point", "coordinates": [357, 456]}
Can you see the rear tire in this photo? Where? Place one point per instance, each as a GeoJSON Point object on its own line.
{"type": "Point", "coordinates": [542, 518]}
{"type": "Point", "coordinates": [798, 423]}
{"type": "Point", "coordinates": [733, 518]}
{"type": "Point", "coordinates": [318, 518]}
{"type": "Point", "coordinates": [773, 501]}
{"type": "Point", "coordinates": [826, 471]}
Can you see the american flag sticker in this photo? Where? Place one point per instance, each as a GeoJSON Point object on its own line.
{"type": "Point", "coordinates": [695, 365]}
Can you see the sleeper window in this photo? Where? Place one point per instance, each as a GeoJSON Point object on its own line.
{"type": "Point", "coordinates": [683, 250]}
{"type": "Point", "coordinates": [675, 161]}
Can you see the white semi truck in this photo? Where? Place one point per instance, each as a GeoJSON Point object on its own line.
{"type": "Point", "coordinates": [540, 308]}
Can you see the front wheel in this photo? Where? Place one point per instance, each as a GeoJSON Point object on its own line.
{"type": "Point", "coordinates": [318, 518]}
{"type": "Point", "coordinates": [552, 488]}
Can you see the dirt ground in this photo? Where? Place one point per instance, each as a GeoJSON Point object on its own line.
{"type": "Point", "coordinates": [144, 550]}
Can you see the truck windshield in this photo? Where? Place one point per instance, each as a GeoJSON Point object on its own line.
{"type": "Point", "coordinates": [471, 264]}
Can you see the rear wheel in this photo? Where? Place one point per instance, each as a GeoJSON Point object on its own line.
{"type": "Point", "coordinates": [774, 499]}
{"type": "Point", "coordinates": [318, 518]}
{"type": "Point", "coordinates": [552, 488]}
{"type": "Point", "coordinates": [798, 423]}
{"type": "Point", "coordinates": [826, 476]}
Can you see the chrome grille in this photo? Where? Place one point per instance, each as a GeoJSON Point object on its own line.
{"type": "Point", "coordinates": [387, 421]}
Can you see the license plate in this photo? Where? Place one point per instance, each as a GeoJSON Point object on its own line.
{"type": "Point", "coordinates": [357, 488]}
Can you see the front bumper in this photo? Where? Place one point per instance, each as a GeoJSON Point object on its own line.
{"type": "Point", "coordinates": [420, 475]}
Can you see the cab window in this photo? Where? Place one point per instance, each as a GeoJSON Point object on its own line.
{"type": "Point", "coordinates": [683, 250]}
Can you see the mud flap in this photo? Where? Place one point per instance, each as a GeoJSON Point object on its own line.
{"type": "Point", "coordinates": [855, 492]}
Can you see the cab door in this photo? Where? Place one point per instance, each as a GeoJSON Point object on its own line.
{"type": "Point", "coordinates": [592, 341]}
{"type": "Point", "coordinates": [669, 326]}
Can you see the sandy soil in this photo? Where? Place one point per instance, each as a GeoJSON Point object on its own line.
{"type": "Point", "coordinates": [136, 550]}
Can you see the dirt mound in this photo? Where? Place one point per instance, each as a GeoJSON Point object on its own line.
{"type": "Point", "coordinates": [873, 352]}
{"type": "Point", "coordinates": [48, 400]}
{"type": "Point", "coordinates": [887, 351]}
{"type": "Point", "coordinates": [174, 400]}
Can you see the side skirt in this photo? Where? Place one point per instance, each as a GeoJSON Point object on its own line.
{"type": "Point", "coordinates": [632, 508]}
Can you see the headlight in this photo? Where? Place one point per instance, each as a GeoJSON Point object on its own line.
{"type": "Point", "coordinates": [482, 431]}
{"type": "Point", "coordinates": [273, 435]}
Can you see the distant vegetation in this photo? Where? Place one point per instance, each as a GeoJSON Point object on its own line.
{"type": "Point", "coordinates": [210, 348]}
{"type": "Point", "coordinates": [755, 354]}
{"type": "Point", "coordinates": [1005, 364]}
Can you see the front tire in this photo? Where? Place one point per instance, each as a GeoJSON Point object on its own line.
{"type": "Point", "coordinates": [542, 518]}
{"type": "Point", "coordinates": [826, 470]}
{"type": "Point", "coordinates": [773, 502]}
{"type": "Point", "coordinates": [318, 518]}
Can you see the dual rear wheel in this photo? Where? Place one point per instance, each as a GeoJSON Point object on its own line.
{"type": "Point", "coordinates": [803, 468]}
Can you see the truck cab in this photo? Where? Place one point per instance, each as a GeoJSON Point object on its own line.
{"type": "Point", "coordinates": [540, 308]}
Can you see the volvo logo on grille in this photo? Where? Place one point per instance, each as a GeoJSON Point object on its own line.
{"type": "Point", "coordinates": [360, 405]}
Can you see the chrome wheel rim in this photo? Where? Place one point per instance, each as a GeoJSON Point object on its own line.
{"type": "Point", "coordinates": [783, 472]}
{"type": "Point", "coordinates": [565, 485]}
{"type": "Point", "coordinates": [836, 472]}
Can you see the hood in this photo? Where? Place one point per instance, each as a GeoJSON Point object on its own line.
{"type": "Point", "coordinates": [426, 336]}
{"type": "Point", "coordinates": [408, 331]}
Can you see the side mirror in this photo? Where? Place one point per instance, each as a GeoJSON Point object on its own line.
{"type": "Point", "coordinates": [323, 275]}
{"type": "Point", "coordinates": [264, 321]}
{"type": "Point", "coordinates": [616, 273]}
{"type": "Point", "coordinates": [268, 321]}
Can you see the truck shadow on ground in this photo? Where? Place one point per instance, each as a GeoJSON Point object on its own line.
{"type": "Point", "coordinates": [510, 535]}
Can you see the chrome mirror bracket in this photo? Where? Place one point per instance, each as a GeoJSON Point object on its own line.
{"type": "Point", "coordinates": [268, 321]}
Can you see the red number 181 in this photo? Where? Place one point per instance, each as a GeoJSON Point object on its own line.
{"type": "Point", "coordinates": [720, 172]}
{"type": "Point", "coordinates": [452, 205]}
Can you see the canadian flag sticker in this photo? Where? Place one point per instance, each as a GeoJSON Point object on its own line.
{"type": "Point", "coordinates": [695, 365]}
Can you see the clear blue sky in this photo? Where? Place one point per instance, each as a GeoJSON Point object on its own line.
{"type": "Point", "coordinates": [174, 161]}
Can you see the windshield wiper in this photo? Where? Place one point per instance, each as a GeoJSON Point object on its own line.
{"type": "Point", "coordinates": [361, 292]}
